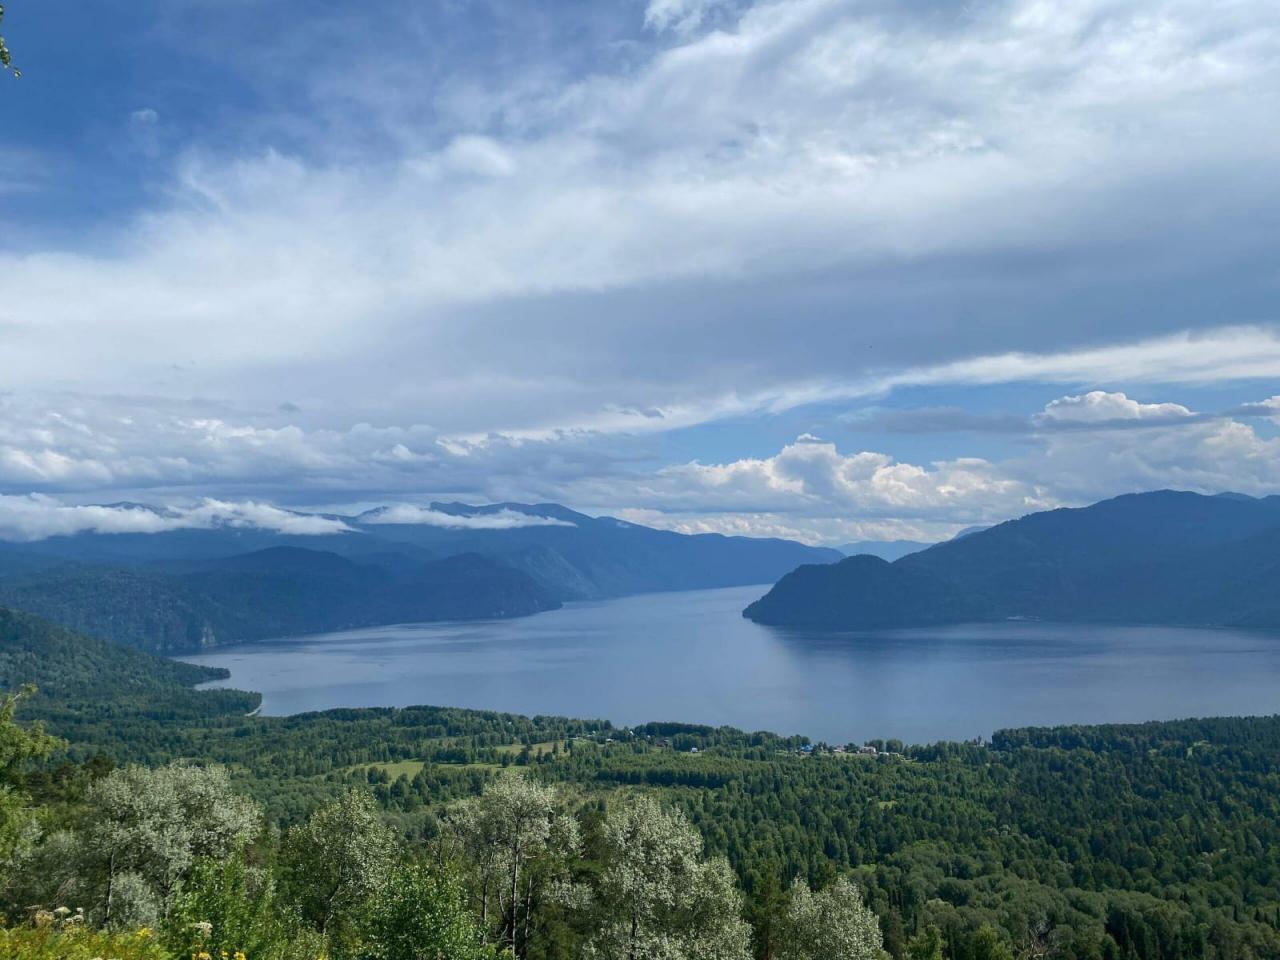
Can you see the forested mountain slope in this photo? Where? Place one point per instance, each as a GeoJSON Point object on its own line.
{"type": "Point", "coordinates": [1162, 557]}
{"type": "Point", "coordinates": [275, 592]}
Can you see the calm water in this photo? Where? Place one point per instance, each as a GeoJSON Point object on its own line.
{"type": "Point", "coordinates": [691, 657]}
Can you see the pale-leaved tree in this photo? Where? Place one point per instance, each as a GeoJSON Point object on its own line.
{"type": "Point", "coordinates": [145, 830]}
{"type": "Point", "coordinates": [521, 846]}
{"type": "Point", "coordinates": [656, 897]}
{"type": "Point", "coordinates": [831, 923]}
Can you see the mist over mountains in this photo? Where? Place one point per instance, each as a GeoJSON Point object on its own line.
{"type": "Point", "coordinates": [1164, 557]}
{"type": "Point", "coordinates": [188, 588]}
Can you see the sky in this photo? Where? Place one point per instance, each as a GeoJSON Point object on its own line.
{"type": "Point", "coordinates": [827, 269]}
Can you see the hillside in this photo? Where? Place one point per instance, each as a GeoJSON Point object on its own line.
{"type": "Point", "coordinates": [1162, 557]}
{"type": "Point", "coordinates": [93, 691]}
{"type": "Point", "coordinates": [279, 591]}
{"type": "Point", "coordinates": [184, 590]}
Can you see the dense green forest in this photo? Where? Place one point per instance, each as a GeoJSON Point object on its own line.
{"type": "Point", "coordinates": [1145, 841]}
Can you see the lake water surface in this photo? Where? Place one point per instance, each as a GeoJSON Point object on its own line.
{"type": "Point", "coordinates": [691, 657]}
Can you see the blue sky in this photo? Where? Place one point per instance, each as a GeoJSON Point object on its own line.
{"type": "Point", "coordinates": [818, 268]}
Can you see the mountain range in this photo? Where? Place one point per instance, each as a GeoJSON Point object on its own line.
{"type": "Point", "coordinates": [1165, 557]}
{"type": "Point", "coordinates": [187, 589]}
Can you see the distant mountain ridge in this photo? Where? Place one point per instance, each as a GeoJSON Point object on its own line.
{"type": "Point", "coordinates": [884, 549]}
{"type": "Point", "coordinates": [188, 589]}
{"type": "Point", "coordinates": [1165, 557]}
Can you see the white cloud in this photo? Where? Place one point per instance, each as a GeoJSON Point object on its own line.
{"type": "Point", "coordinates": [811, 490]}
{"type": "Point", "coordinates": [479, 156]}
{"type": "Point", "coordinates": [1268, 408]}
{"type": "Point", "coordinates": [261, 516]}
{"type": "Point", "coordinates": [681, 16]}
{"type": "Point", "coordinates": [1098, 406]}
{"type": "Point", "coordinates": [36, 517]}
{"type": "Point", "coordinates": [505, 519]}
{"type": "Point", "coordinates": [1220, 356]}
{"type": "Point", "coordinates": [802, 146]}
{"type": "Point", "coordinates": [815, 478]}
{"type": "Point", "coordinates": [1237, 353]}
{"type": "Point", "coordinates": [1209, 456]}
{"type": "Point", "coordinates": [751, 208]}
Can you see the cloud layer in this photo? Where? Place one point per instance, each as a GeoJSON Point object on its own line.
{"type": "Point", "coordinates": [812, 490]}
{"type": "Point", "coordinates": [605, 264]}
{"type": "Point", "coordinates": [36, 517]}
{"type": "Point", "coordinates": [505, 519]}
{"type": "Point", "coordinates": [1077, 449]}
{"type": "Point", "coordinates": [855, 161]}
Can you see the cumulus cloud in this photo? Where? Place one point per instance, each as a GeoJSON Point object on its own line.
{"type": "Point", "coordinates": [505, 519]}
{"type": "Point", "coordinates": [1207, 455]}
{"type": "Point", "coordinates": [1099, 406]}
{"type": "Point", "coordinates": [36, 517]}
{"type": "Point", "coordinates": [1264, 408]}
{"type": "Point", "coordinates": [812, 490]}
{"type": "Point", "coordinates": [815, 478]}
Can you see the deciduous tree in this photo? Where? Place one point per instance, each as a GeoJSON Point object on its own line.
{"type": "Point", "coordinates": [657, 898]}
{"type": "Point", "coordinates": [508, 834]}
{"type": "Point", "coordinates": [18, 746]}
{"type": "Point", "coordinates": [333, 864]}
{"type": "Point", "coordinates": [422, 914]}
{"type": "Point", "coordinates": [146, 829]}
{"type": "Point", "coordinates": [833, 922]}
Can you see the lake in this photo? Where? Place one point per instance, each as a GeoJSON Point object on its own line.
{"type": "Point", "coordinates": [692, 657]}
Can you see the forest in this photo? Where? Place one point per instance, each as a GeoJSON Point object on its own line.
{"type": "Point", "coordinates": [145, 818]}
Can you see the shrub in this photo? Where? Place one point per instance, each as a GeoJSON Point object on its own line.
{"type": "Point", "coordinates": [53, 941]}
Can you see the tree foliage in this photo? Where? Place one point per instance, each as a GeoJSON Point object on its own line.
{"type": "Point", "coordinates": [422, 914]}
{"type": "Point", "coordinates": [334, 864]}
{"type": "Point", "coordinates": [231, 905]}
{"type": "Point", "coordinates": [6, 59]}
{"type": "Point", "coordinates": [518, 839]}
{"type": "Point", "coordinates": [145, 829]}
{"type": "Point", "coordinates": [657, 897]}
{"type": "Point", "coordinates": [19, 746]}
{"type": "Point", "coordinates": [833, 922]}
